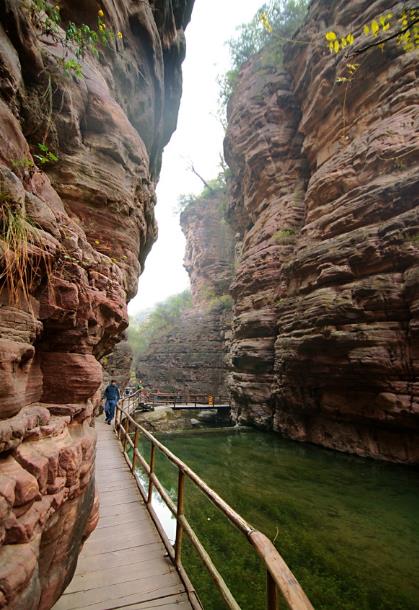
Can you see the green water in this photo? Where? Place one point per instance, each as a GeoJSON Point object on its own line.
{"type": "Point", "coordinates": [347, 527]}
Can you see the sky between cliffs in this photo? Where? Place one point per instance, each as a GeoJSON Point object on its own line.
{"type": "Point", "coordinates": [198, 138]}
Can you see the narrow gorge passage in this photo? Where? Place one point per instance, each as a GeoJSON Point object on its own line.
{"type": "Point", "coordinates": [290, 188]}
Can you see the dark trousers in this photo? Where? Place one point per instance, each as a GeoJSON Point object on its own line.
{"type": "Point", "coordinates": [110, 409]}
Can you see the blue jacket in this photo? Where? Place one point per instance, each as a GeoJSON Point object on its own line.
{"type": "Point", "coordinates": [112, 392]}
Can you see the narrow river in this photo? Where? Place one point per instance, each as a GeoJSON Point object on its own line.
{"type": "Point", "coordinates": [348, 527]}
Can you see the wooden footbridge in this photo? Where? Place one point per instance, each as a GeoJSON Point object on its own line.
{"type": "Point", "coordinates": [188, 401]}
{"type": "Point", "coordinates": [129, 561]}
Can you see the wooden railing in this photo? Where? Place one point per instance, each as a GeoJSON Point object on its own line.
{"type": "Point", "coordinates": [279, 576]}
{"type": "Point", "coordinates": [188, 399]}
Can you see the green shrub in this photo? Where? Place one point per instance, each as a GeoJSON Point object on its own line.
{"type": "Point", "coordinates": [273, 25]}
{"type": "Point", "coordinates": [225, 301]}
{"type": "Point", "coordinates": [215, 187]}
{"type": "Point", "coordinates": [161, 319]}
{"type": "Point", "coordinates": [21, 252]}
{"type": "Point", "coordinates": [45, 155]}
{"type": "Point", "coordinates": [284, 235]}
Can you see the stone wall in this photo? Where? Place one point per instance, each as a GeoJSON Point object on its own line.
{"type": "Point", "coordinates": [84, 226]}
{"type": "Point", "coordinates": [324, 198]}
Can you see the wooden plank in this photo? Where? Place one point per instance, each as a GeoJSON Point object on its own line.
{"type": "Point", "coordinates": [117, 485]}
{"type": "Point", "coordinates": [123, 518]}
{"type": "Point", "coordinates": [175, 602]}
{"type": "Point", "coordinates": [102, 561]}
{"type": "Point", "coordinates": [97, 579]}
{"type": "Point", "coordinates": [120, 497]}
{"type": "Point", "coordinates": [116, 596]}
{"type": "Point", "coordinates": [117, 475]}
{"type": "Point", "coordinates": [131, 507]}
{"type": "Point", "coordinates": [116, 543]}
{"type": "Point", "coordinates": [107, 536]}
{"type": "Point", "coordinates": [124, 563]}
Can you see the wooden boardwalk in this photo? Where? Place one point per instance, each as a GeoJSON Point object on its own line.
{"type": "Point", "coordinates": [123, 563]}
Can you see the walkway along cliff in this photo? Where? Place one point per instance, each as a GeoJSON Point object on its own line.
{"type": "Point", "coordinates": [82, 128]}
{"type": "Point", "coordinates": [324, 200]}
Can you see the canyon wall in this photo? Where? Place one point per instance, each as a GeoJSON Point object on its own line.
{"type": "Point", "coordinates": [118, 364]}
{"type": "Point", "coordinates": [80, 152]}
{"type": "Point", "coordinates": [188, 357]}
{"type": "Point", "coordinates": [324, 201]}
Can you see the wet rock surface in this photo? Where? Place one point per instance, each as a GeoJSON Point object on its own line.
{"type": "Point", "coordinates": [324, 200]}
{"type": "Point", "coordinates": [90, 218]}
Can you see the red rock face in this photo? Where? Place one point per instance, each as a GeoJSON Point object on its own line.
{"type": "Point", "coordinates": [209, 249]}
{"type": "Point", "coordinates": [189, 358]}
{"type": "Point", "coordinates": [324, 195]}
{"type": "Point", "coordinates": [118, 365]}
{"type": "Point", "coordinates": [91, 224]}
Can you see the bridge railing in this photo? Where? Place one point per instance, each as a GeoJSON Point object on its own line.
{"type": "Point", "coordinates": [130, 402]}
{"type": "Point", "coordinates": [279, 577]}
{"type": "Point", "coordinates": [188, 399]}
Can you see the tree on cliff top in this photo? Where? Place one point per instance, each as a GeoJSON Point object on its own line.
{"type": "Point", "coordinates": [213, 187]}
{"type": "Point", "coordinates": [274, 22]}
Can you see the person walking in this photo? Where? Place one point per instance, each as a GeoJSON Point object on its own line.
{"type": "Point", "coordinates": [112, 396]}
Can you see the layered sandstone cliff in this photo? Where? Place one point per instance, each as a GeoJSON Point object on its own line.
{"type": "Point", "coordinates": [82, 226]}
{"type": "Point", "coordinates": [189, 356]}
{"type": "Point", "coordinates": [324, 197]}
{"type": "Point", "coordinates": [118, 364]}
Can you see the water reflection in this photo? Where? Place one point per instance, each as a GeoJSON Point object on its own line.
{"type": "Point", "coordinates": [163, 513]}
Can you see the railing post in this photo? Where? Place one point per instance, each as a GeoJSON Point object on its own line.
{"type": "Point", "coordinates": [271, 591]}
{"type": "Point", "coordinates": [118, 421]}
{"type": "Point", "coordinates": [179, 513]}
{"type": "Point", "coordinates": [134, 455]}
{"type": "Point", "coordinates": [126, 433]}
{"type": "Point", "coordinates": [150, 482]}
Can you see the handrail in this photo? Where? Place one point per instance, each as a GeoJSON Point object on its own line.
{"type": "Point", "coordinates": [131, 400]}
{"type": "Point", "coordinates": [179, 398]}
{"type": "Point", "coordinates": [279, 576]}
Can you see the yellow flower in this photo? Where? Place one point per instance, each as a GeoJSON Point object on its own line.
{"type": "Point", "coordinates": [375, 28]}
{"type": "Point", "coordinates": [264, 20]}
{"type": "Point", "coordinates": [119, 34]}
{"type": "Point", "coordinates": [101, 13]}
{"type": "Point", "coordinates": [330, 36]}
{"type": "Point", "coordinates": [101, 27]}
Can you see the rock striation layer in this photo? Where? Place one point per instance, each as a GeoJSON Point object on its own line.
{"type": "Point", "coordinates": [324, 198]}
{"type": "Point", "coordinates": [74, 236]}
{"type": "Point", "coordinates": [118, 365]}
{"type": "Point", "coordinates": [189, 356]}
